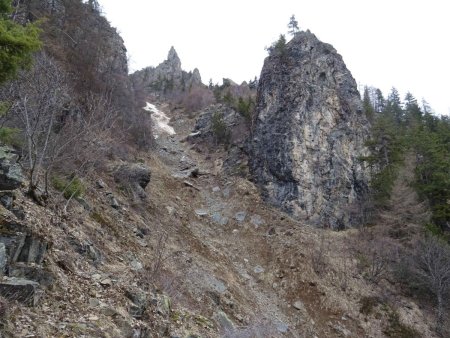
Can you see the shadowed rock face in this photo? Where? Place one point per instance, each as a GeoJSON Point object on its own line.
{"type": "Point", "coordinates": [309, 133]}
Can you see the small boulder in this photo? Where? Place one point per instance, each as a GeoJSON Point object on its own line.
{"type": "Point", "coordinates": [136, 265]}
{"type": "Point", "coordinates": [219, 218]}
{"type": "Point", "coordinates": [256, 220]}
{"type": "Point", "coordinates": [201, 212]}
{"type": "Point", "coordinates": [240, 216]}
{"type": "Point", "coordinates": [101, 184]}
{"type": "Point", "coordinates": [22, 246]}
{"type": "Point", "coordinates": [94, 302]}
{"type": "Point", "coordinates": [106, 282]}
{"type": "Point", "coordinates": [298, 305]}
{"type": "Point", "coordinates": [258, 269]}
{"type": "Point", "coordinates": [112, 200]}
{"type": "Point", "coordinates": [282, 327]}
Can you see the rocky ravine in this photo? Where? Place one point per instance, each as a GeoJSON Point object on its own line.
{"type": "Point", "coordinates": [233, 267]}
{"type": "Point", "coordinates": [309, 133]}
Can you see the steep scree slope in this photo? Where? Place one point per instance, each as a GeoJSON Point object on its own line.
{"type": "Point", "coordinates": [232, 267]}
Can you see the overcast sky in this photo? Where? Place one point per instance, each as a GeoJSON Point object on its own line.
{"type": "Point", "coordinates": [384, 43]}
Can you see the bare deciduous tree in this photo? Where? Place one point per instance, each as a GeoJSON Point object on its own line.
{"type": "Point", "coordinates": [40, 95]}
{"type": "Point", "coordinates": [433, 270]}
{"type": "Point", "coordinates": [59, 130]}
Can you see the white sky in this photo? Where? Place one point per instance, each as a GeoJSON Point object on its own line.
{"type": "Point", "coordinates": [384, 43]}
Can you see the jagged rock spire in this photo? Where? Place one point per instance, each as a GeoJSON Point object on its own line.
{"type": "Point", "coordinates": [309, 134]}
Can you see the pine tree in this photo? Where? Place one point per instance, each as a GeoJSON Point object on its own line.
{"type": "Point", "coordinates": [368, 105]}
{"type": "Point", "coordinates": [413, 113]}
{"type": "Point", "coordinates": [278, 48]}
{"type": "Point", "coordinates": [380, 102]}
{"type": "Point", "coordinates": [394, 107]}
{"type": "Point", "coordinates": [94, 5]}
{"type": "Point", "coordinates": [432, 144]}
{"type": "Point", "coordinates": [386, 144]}
{"type": "Point", "coordinates": [17, 43]}
{"type": "Point", "coordinates": [293, 26]}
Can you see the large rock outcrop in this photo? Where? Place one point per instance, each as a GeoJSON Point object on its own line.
{"type": "Point", "coordinates": [309, 133]}
{"type": "Point", "coordinates": [166, 77]}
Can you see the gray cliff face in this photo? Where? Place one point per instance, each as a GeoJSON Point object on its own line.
{"type": "Point", "coordinates": [309, 133]}
{"type": "Point", "coordinates": [114, 59]}
{"type": "Point", "coordinates": [166, 77]}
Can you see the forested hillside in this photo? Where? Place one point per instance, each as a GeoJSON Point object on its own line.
{"type": "Point", "coordinates": [404, 127]}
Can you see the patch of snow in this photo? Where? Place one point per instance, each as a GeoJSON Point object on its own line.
{"type": "Point", "coordinates": [194, 134]}
{"type": "Point", "coordinates": [160, 121]}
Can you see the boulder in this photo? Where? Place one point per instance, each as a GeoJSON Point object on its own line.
{"type": "Point", "coordinates": [7, 198]}
{"type": "Point", "coordinates": [11, 175]}
{"type": "Point", "coordinates": [140, 302]}
{"type": "Point", "coordinates": [112, 200]}
{"type": "Point", "coordinates": [34, 273]}
{"type": "Point", "coordinates": [224, 321]}
{"type": "Point", "coordinates": [21, 290]}
{"type": "Point", "coordinates": [21, 245]}
{"type": "Point", "coordinates": [33, 250]}
{"type": "Point", "coordinates": [134, 177]}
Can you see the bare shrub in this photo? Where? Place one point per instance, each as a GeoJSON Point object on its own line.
{"type": "Point", "coordinates": [319, 255]}
{"type": "Point", "coordinates": [196, 99]}
{"type": "Point", "coordinates": [377, 259]}
{"type": "Point", "coordinates": [368, 304]}
{"type": "Point", "coordinates": [374, 256]}
{"type": "Point", "coordinates": [362, 211]}
{"type": "Point", "coordinates": [341, 272]}
{"type": "Point", "coordinates": [154, 271]}
{"type": "Point", "coordinates": [221, 132]}
{"type": "Point", "coordinates": [139, 126]}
